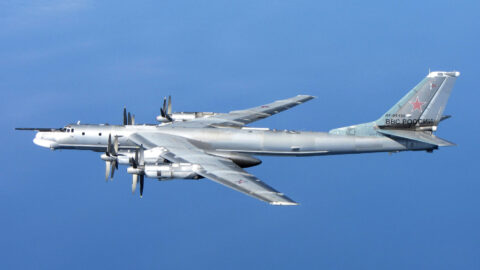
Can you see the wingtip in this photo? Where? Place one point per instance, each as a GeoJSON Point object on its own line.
{"type": "Point", "coordinates": [284, 203]}
{"type": "Point", "coordinates": [307, 96]}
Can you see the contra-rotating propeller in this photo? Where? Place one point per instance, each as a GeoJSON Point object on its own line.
{"type": "Point", "coordinates": [138, 170]}
{"type": "Point", "coordinates": [128, 119]}
{"type": "Point", "coordinates": [166, 110]}
{"type": "Point", "coordinates": [111, 157]}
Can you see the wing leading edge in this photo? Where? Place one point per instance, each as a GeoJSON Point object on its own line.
{"type": "Point", "coordinates": [243, 117]}
{"type": "Point", "coordinates": [221, 170]}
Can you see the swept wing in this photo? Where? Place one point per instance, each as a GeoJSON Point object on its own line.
{"type": "Point", "coordinates": [221, 170]}
{"type": "Point", "coordinates": [243, 117]}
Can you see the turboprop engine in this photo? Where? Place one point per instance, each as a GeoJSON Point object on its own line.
{"type": "Point", "coordinates": [166, 114]}
{"type": "Point", "coordinates": [140, 169]}
{"type": "Point", "coordinates": [183, 116]}
{"type": "Point", "coordinates": [169, 171]}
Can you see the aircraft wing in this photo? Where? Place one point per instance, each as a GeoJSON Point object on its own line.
{"type": "Point", "coordinates": [243, 117]}
{"type": "Point", "coordinates": [221, 170]}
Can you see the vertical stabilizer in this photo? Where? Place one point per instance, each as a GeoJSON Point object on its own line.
{"type": "Point", "coordinates": [423, 106]}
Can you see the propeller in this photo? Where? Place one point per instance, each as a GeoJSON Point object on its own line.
{"type": "Point", "coordinates": [111, 161]}
{"type": "Point", "coordinates": [169, 109]}
{"type": "Point", "coordinates": [125, 116]}
{"type": "Point", "coordinates": [128, 119]}
{"type": "Point", "coordinates": [138, 173]}
{"type": "Point", "coordinates": [166, 110]}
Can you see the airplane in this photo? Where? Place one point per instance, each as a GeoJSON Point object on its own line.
{"type": "Point", "coordinates": [218, 146]}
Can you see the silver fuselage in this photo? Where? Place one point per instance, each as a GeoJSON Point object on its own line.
{"type": "Point", "coordinates": [247, 140]}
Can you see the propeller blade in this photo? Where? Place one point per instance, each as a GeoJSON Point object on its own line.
{"type": "Point", "coordinates": [109, 145]}
{"type": "Point", "coordinates": [135, 160]}
{"type": "Point", "coordinates": [114, 165]}
{"type": "Point", "coordinates": [133, 119]}
{"type": "Point", "coordinates": [107, 170]}
{"type": "Point", "coordinates": [134, 182]}
{"type": "Point", "coordinates": [142, 177]}
{"type": "Point", "coordinates": [124, 116]}
{"type": "Point", "coordinates": [169, 118]}
{"type": "Point", "coordinates": [169, 109]}
{"type": "Point", "coordinates": [141, 159]}
{"type": "Point", "coordinates": [129, 122]}
{"type": "Point", "coordinates": [115, 145]}
{"type": "Point", "coordinates": [163, 110]}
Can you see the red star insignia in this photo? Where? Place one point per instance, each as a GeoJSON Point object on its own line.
{"type": "Point", "coordinates": [240, 181]}
{"type": "Point", "coordinates": [265, 106]}
{"type": "Point", "coordinates": [417, 105]}
{"type": "Point", "coordinates": [432, 85]}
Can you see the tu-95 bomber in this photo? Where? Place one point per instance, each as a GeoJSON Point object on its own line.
{"type": "Point", "coordinates": [218, 146]}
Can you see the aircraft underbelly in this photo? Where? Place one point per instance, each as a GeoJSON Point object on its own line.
{"type": "Point", "coordinates": [368, 144]}
{"type": "Point", "coordinates": [292, 143]}
{"type": "Point", "coordinates": [301, 143]}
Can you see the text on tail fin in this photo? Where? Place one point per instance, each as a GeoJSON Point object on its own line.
{"type": "Point", "coordinates": [423, 105]}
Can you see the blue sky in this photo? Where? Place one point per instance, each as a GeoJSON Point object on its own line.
{"type": "Point", "coordinates": [63, 61]}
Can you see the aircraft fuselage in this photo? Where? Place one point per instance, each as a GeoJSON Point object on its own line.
{"type": "Point", "coordinates": [248, 140]}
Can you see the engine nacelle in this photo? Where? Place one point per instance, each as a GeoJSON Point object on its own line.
{"type": "Point", "coordinates": [161, 119]}
{"type": "Point", "coordinates": [242, 160]}
{"type": "Point", "coordinates": [104, 157]}
{"type": "Point", "coordinates": [184, 116]}
{"type": "Point", "coordinates": [172, 171]}
{"type": "Point", "coordinates": [151, 156]}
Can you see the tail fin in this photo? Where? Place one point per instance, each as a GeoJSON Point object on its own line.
{"type": "Point", "coordinates": [416, 115]}
{"type": "Point", "coordinates": [423, 106]}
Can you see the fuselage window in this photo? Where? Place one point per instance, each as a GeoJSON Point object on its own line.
{"type": "Point", "coordinates": [73, 129]}
{"type": "Point", "coordinates": [100, 134]}
{"type": "Point", "coordinates": [83, 133]}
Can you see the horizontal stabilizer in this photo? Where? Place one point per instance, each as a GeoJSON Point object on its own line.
{"type": "Point", "coordinates": [445, 117]}
{"type": "Point", "coordinates": [420, 136]}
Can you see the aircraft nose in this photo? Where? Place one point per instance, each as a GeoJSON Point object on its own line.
{"type": "Point", "coordinates": [42, 141]}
